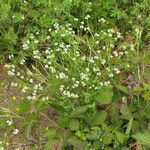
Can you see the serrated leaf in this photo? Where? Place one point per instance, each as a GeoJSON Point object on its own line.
{"type": "Point", "coordinates": [99, 118]}
{"type": "Point", "coordinates": [62, 122]}
{"type": "Point", "coordinates": [78, 111]}
{"type": "Point", "coordinates": [120, 137]}
{"type": "Point", "coordinates": [143, 138]}
{"type": "Point", "coordinates": [92, 135]}
{"type": "Point", "coordinates": [50, 134]}
{"type": "Point", "coordinates": [74, 125]}
{"type": "Point", "coordinates": [104, 96]}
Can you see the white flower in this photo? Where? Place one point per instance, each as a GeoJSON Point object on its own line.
{"type": "Point", "coordinates": [13, 84]}
{"type": "Point", "coordinates": [117, 70]}
{"type": "Point", "coordinates": [62, 76]}
{"type": "Point", "coordinates": [25, 46]}
{"type": "Point", "coordinates": [22, 77]}
{"type": "Point", "coordinates": [101, 83]}
{"type": "Point", "coordinates": [29, 97]}
{"type": "Point", "coordinates": [102, 20]}
{"type": "Point", "coordinates": [1, 148]}
{"type": "Point", "coordinates": [31, 80]}
{"type": "Point", "coordinates": [22, 62]}
{"type": "Point", "coordinates": [97, 42]}
{"type": "Point", "coordinates": [16, 131]}
{"type": "Point", "coordinates": [111, 75]}
{"type": "Point", "coordinates": [99, 73]}
{"type": "Point", "coordinates": [11, 56]}
{"type": "Point", "coordinates": [115, 53]}
{"type": "Point", "coordinates": [76, 19]}
{"type": "Point", "coordinates": [81, 27]}
{"type": "Point", "coordinates": [18, 74]}
{"type": "Point", "coordinates": [49, 29]}
{"type": "Point", "coordinates": [98, 51]}
{"type": "Point", "coordinates": [36, 41]}
{"type": "Point", "coordinates": [9, 122]}
{"type": "Point", "coordinates": [96, 34]}
{"type": "Point", "coordinates": [87, 17]}
{"type": "Point", "coordinates": [62, 35]}
{"type": "Point", "coordinates": [84, 76]}
{"type": "Point", "coordinates": [48, 37]}
{"type": "Point", "coordinates": [91, 60]}
{"type": "Point", "coordinates": [24, 89]}
{"type": "Point", "coordinates": [103, 61]}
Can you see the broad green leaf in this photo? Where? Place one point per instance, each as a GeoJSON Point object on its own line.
{"type": "Point", "coordinates": [74, 125]}
{"type": "Point", "coordinates": [143, 138]}
{"type": "Point", "coordinates": [146, 59]}
{"type": "Point", "coordinates": [104, 96]}
{"type": "Point", "coordinates": [57, 107]}
{"type": "Point", "coordinates": [23, 106]}
{"type": "Point", "coordinates": [93, 135]}
{"type": "Point", "coordinates": [40, 105]}
{"type": "Point", "coordinates": [81, 135]}
{"type": "Point", "coordinates": [50, 134]}
{"type": "Point", "coordinates": [99, 118]}
{"type": "Point", "coordinates": [120, 137]}
{"type": "Point", "coordinates": [78, 111]}
{"type": "Point", "coordinates": [107, 140]}
{"type": "Point", "coordinates": [53, 143]}
{"type": "Point", "coordinates": [62, 122]}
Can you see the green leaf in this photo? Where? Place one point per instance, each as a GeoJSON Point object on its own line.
{"type": "Point", "coordinates": [2, 124]}
{"type": "Point", "coordinates": [40, 105]}
{"type": "Point", "coordinates": [53, 143]}
{"type": "Point", "coordinates": [78, 111]}
{"type": "Point", "coordinates": [23, 106]}
{"type": "Point", "coordinates": [99, 118]}
{"type": "Point", "coordinates": [120, 137]}
{"type": "Point", "coordinates": [144, 138]}
{"type": "Point", "coordinates": [57, 107]}
{"type": "Point", "coordinates": [104, 96]}
{"type": "Point", "coordinates": [146, 59]}
{"type": "Point", "coordinates": [129, 126]}
{"type": "Point", "coordinates": [93, 135]}
{"type": "Point", "coordinates": [74, 125]}
{"type": "Point", "coordinates": [107, 140]}
{"type": "Point", "coordinates": [50, 134]}
{"type": "Point", "coordinates": [62, 122]}
{"type": "Point", "coordinates": [77, 143]}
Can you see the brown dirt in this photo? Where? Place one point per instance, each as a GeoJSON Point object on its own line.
{"type": "Point", "coordinates": [20, 141]}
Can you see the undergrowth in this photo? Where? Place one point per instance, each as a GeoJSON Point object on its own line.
{"type": "Point", "coordinates": [82, 69]}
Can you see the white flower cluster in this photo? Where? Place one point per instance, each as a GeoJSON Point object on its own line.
{"type": "Point", "coordinates": [36, 54]}
{"type": "Point", "coordinates": [62, 76]}
{"type": "Point", "coordinates": [74, 62]}
{"type": "Point", "coordinates": [9, 122]}
{"type": "Point", "coordinates": [67, 92]}
{"type": "Point", "coordinates": [14, 84]}
{"type": "Point", "coordinates": [25, 45]}
{"type": "Point", "coordinates": [11, 69]}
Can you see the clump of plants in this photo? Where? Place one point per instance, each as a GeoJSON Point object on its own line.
{"type": "Point", "coordinates": [89, 72]}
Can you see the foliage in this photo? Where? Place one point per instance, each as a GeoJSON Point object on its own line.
{"type": "Point", "coordinates": [87, 62]}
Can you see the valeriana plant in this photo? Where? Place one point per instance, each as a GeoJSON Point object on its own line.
{"type": "Point", "coordinates": [75, 70]}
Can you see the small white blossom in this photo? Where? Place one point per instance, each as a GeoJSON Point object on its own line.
{"type": "Point", "coordinates": [16, 131]}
